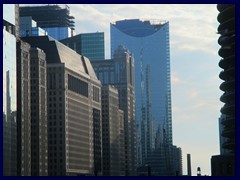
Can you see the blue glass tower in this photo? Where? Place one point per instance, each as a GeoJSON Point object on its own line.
{"type": "Point", "coordinates": [148, 41]}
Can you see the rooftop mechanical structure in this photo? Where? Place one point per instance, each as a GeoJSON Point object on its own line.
{"type": "Point", "coordinates": [49, 15]}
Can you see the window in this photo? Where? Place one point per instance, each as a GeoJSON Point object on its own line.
{"type": "Point", "coordinates": [78, 86]}
{"type": "Point", "coordinates": [96, 94]}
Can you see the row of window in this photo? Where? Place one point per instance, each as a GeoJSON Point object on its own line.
{"type": "Point", "coordinates": [78, 86]}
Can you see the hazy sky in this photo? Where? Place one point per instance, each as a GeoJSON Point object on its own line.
{"type": "Point", "coordinates": [194, 68]}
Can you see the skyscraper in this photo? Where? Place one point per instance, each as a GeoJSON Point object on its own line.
{"type": "Point", "coordinates": [112, 127]}
{"type": "Point", "coordinates": [90, 45]}
{"type": "Point", "coordinates": [148, 40]}
{"type": "Point", "coordinates": [119, 72]}
{"type": "Point", "coordinates": [224, 164]}
{"type": "Point", "coordinates": [177, 156]}
{"type": "Point", "coordinates": [74, 148]}
{"type": "Point", "coordinates": [10, 35]}
{"type": "Point", "coordinates": [55, 19]}
{"type": "Point", "coordinates": [189, 166]}
{"type": "Point", "coordinates": [39, 135]}
{"type": "Point", "coordinates": [23, 109]}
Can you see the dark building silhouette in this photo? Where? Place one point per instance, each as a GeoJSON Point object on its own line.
{"type": "Point", "coordinates": [189, 167]}
{"type": "Point", "coordinates": [224, 164]}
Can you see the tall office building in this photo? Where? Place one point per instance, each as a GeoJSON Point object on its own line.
{"type": "Point", "coordinates": [177, 156]}
{"type": "Point", "coordinates": [55, 19]}
{"type": "Point", "coordinates": [148, 40]}
{"type": "Point", "coordinates": [112, 133]}
{"type": "Point", "coordinates": [189, 166]}
{"type": "Point", "coordinates": [23, 109]}
{"type": "Point", "coordinates": [39, 140]}
{"type": "Point", "coordinates": [90, 45]}
{"type": "Point", "coordinates": [10, 35]}
{"type": "Point", "coordinates": [74, 148]}
{"type": "Point", "coordinates": [224, 164]}
{"type": "Point", "coordinates": [119, 72]}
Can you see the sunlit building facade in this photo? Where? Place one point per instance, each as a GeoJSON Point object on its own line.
{"type": "Point", "coordinates": [74, 110]}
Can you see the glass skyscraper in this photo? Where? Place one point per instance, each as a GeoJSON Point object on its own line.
{"type": "Point", "coordinates": [10, 31]}
{"type": "Point", "coordinates": [148, 40]}
{"type": "Point", "coordinates": [90, 45]}
{"type": "Point", "coordinates": [54, 19]}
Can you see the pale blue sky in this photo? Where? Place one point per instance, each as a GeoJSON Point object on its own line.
{"type": "Point", "coordinates": [194, 68]}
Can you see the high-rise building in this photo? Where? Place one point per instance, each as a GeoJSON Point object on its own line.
{"type": "Point", "coordinates": [177, 156]}
{"type": "Point", "coordinates": [112, 135]}
{"type": "Point", "coordinates": [119, 72]}
{"type": "Point", "coordinates": [39, 140]}
{"type": "Point", "coordinates": [10, 35]}
{"type": "Point", "coordinates": [73, 111]}
{"type": "Point", "coordinates": [55, 19]}
{"type": "Point", "coordinates": [148, 41]}
{"type": "Point", "coordinates": [189, 166]}
{"type": "Point", "coordinates": [224, 164]}
{"type": "Point", "coordinates": [28, 27]}
{"type": "Point", "coordinates": [90, 45]}
{"type": "Point", "coordinates": [23, 109]}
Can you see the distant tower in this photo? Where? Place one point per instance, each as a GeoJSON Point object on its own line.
{"type": "Point", "coordinates": [189, 169]}
{"type": "Point", "coordinates": [198, 171]}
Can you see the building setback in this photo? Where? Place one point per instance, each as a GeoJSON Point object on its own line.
{"type": "Point", "coordinates": [10, 35]}
{"type": "Point", "coordinates": [72, 111]}
{"type": "Point", "coordinates": [112, 133]}
{"type": "Point", "coordinates": [23, 109]}
{"type": "Point", "coordinates": [224, 164]}
{"type": "Point", "coordinates": [39, 135]}
{"type": "Point", "coordinates": [90, 45]}
{"type": "Point", "coordinates": [55, 19]}
{"type": "Point", "coordinates": [119, 72]}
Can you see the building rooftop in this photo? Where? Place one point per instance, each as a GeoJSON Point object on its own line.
{"type": "Point", "coordinates": [49, 15]}
{"type": "Point", "coordinates": [139, 28]}
{"type": "Point", "coordinates": [56, 52]}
